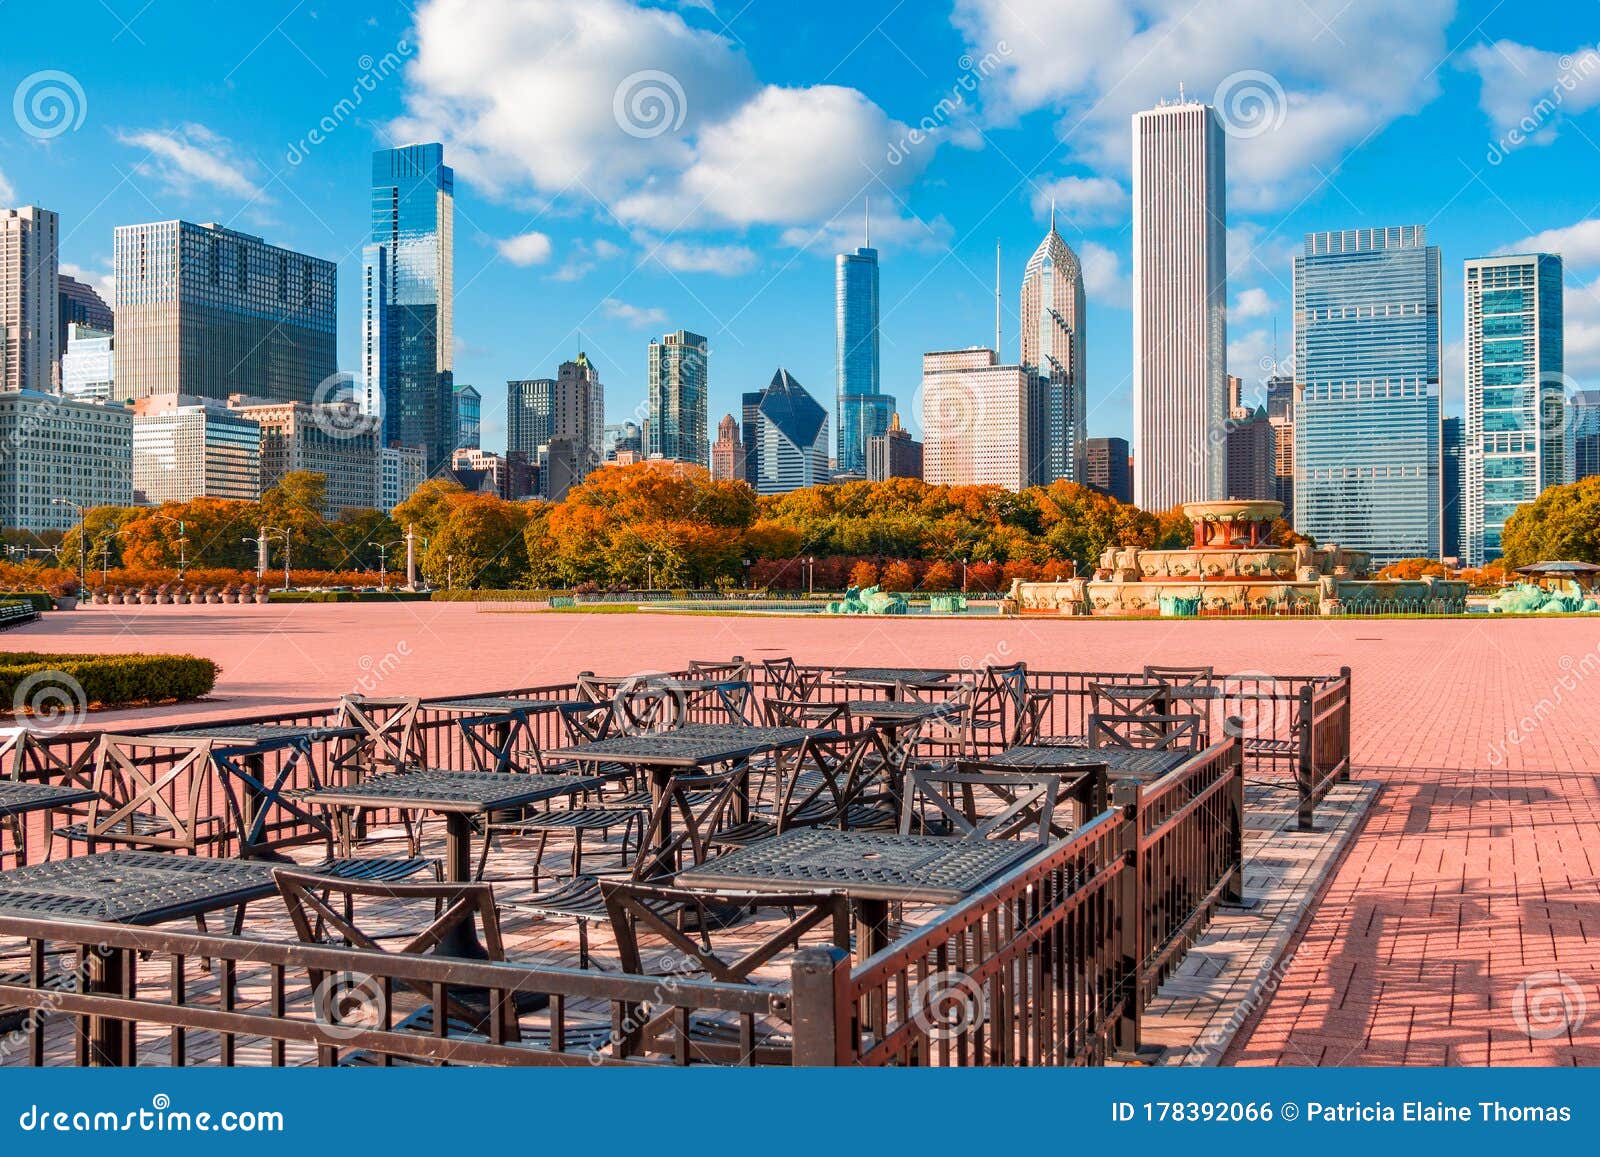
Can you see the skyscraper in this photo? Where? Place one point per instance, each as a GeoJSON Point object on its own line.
{"type": "Point", "coordinates": [863, 408]}
{"type": "Point", "coordinates": [1107, 468]}
{"type": "Point", "coordinates": [1053, 315]}
{"type": "Point", "coordinates": [333, 439]}
{"type": "Point", "coordinates": [208, 312]}
{"type": "Point", "coordinates": [893, 454]}
{"type": "Point", "coordinates": [977, 419]}
{"type": "Point", "coordinates": [727, 452]}
{"type": "Point", "coordinates": [407, 282]}
{"type": "Point", "coordinates": [559, 421]}
{"type": "Point", "coordinates": [1251, 449]}
{"type": "Point", "coordinates": [1367, 418]}
{"type": "Point", "coordinates": [678, 381]}
{"type": "Point", "coordinates": [469, 417]}
{"type": "Point", "coordinates": [82, 305]}
{"type": "Point", "coordinates": [792, 432]}
{"type": "Point", "coordinates": [1452, 475]}
{"type": "Point", "coordinates": [1179, 305]}
{"type": "Point", "coordinates": [61, 448]}
{"type": "Point", "coordinates": [1515, 438]}
{"type": "Point", "coordinates": [30, 306]}
{"type": "Point", "coordinates": [1583, 428]}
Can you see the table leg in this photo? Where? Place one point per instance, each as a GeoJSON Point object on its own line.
{"type": "Point", "coordinates": [872, 935]}
{"type": "Point", "coordinates": [105, 973]}
{"type": "Point", "coordinates": [462, 940]}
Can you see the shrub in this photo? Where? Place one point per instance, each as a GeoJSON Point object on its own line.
{"type": "Point", "coordinates": [344, 596]}
{"type": "Point", "coordinates": [41, 600]}
{"type": "Point", "coordinates": [105, 680]}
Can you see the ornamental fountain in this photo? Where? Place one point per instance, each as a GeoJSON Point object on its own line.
{"type": "Point", "coordinates": [1233, 568]}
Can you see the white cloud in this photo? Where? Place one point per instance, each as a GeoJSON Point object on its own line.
{"type": "Point", "coordinates": [1581, 334]}
{"type": "Point", "coordinates": [1082, 201]}
{"type": "Point", "coordinates": [1105, 281]}
{"type": "Point", "coordinates": [192, 158]}
{"type": "Point", "coordinates": [690, 257]}
{"type": "Point", "coordinates": [7, 193]}
{"type": "Point", "coordinates": [104, 283]}
{"type": "Point", "coordinates": [1254, 253]}
{"type": "Point", "coordinates": [583, 256]}
{"type": "Point", "coordinates": [636, 316]}
{"type": "Point", "coordinates": [1250, 303]}
{"type": "Point", "coordinates": [1096, 62]}
{"type": "Point", "coordinates": [1527, 90]}
{"type": "Point", "coordinates": [664, 123]}
{"type": "Point", "coordinates": [531, 248]}
{"type": "Point", "coordinates": [1579, 245]}
{"type": "Point", "coordinates": [844, 232]}
{"type": "Point", "coordinates": [1250, 358]}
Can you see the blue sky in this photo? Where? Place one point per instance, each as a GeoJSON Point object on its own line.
{"type": "Point", "coordinates": [716, 200]}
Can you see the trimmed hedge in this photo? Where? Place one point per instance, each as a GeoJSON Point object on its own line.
{"type": "Point", "coordinates": [42, 600]}
{"type": "Point", "coordinates": [345, 596]}
{"type": "Point", "coordinates": [46, 680]}
{"type": "Point", "coordinates": [530, 596]}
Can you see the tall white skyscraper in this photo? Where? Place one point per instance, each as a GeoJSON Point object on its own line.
{"type": "Point", "coordinates": [977, 419]}
{"type": "Point", "coordinates": [30, 306]}
{"type": "Point", "coordinates": [1180, 333]}
{"type": "Point", "coordinates": [1053, 314]}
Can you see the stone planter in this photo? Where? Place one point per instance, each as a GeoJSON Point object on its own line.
{"type": "Point", "coordinates": [66, 602]}
{"type": "Point", "coordinates": [261, 597]}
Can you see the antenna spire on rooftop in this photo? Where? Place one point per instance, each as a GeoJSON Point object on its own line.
{"type": "Point", "coordinates": [866, 225]}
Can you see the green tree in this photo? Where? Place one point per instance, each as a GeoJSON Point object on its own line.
{"type": "Point", "coordinates": [1562, 524]}
{"type": "Point", "coordinates": [480, 545]}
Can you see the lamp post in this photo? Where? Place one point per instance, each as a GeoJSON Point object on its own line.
{"type": "Point", "coordinates": [449, 572]}
{"type": "Point", "coordinates": [811, 575]}
{"type": "Point", "coordinates": [963, 574]}
{"type": "Point", "coordinates": [650, 572]}
{"type": "Point", "coordinates": [383, 568]}
{"type": "Point", "coordinates": [80, 510]}
{"type": "Point", "coordinates": [183, 560]}
{"type": "Point", "coordinates": [261, 552]}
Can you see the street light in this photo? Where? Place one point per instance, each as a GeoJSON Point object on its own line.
{"type": "Point", "coordinates": [261, 552]}
{"type": "Point", "coordinates": [963, 574]}
{"type": "Point", "coordinates": [811, 574]}
{"type": "Point", "coordinates": [383, 569]}
{"type": "Point", "coordinates": [80, 510]}
{"type": "Point", "coordinates": [183, 560]}
{"type": "Point", "coordinates": [649, 572]}
{"type": "Point", "coordinates": [449, 572]}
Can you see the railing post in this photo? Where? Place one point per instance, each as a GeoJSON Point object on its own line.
{"type": "Point", "coordinates": [820, 1013]}
{"type": "Point", "coordinates": [1233, 892]}
{"type": "Point", "coordinates": [1131, 923]}
{"type": "Point", "coordinates": [1305, 771]}
{"type": "Point", "coordinates": [1349, 706]}
{"type": "Point", "coordinates": [105, 972]}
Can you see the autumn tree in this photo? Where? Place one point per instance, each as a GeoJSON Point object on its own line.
{"type": "Point", "coordinates": [1563, 524]}
{"type": "Point", "coordinates": [479, 545]}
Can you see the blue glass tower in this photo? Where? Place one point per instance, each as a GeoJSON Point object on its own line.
{"type": "Point", "coordinates": [1515, 440]}
{"type": "Point", "coordinates": [407, 286]}
{"type": "Point", "coordinates": [864, 410]}
{"type": "Point", "coordinates": [1367, 422]}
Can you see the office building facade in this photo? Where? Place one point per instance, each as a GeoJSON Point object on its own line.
{"type": "Point", "coordinates": [89, 366]}
{"type": "Point", "coordinates": [1583, 435]}
{"type": "Point", "coordinates": [1452, 480]}
{"type": "Point", "coordinates": [1367, 403]}
{"type": "Point", "coordinates": [60, 448]}
{"type": "Point", "coordinates": [407, 286]}
{"type": "Point", "coordinates": [1180, 334]}
{"type": "Point", "coordinates": [469, 417]}
{"type": "Point", "coordinates": [977, 419]}
{"type": "Point", "coordinates": [678, 375]}
{"type": "Point", "coordinates": [81, 304]}
{"type": "Point", "coordinates": [1107, 468]}
{"type": "Point", "coordinates": [337, 440]}
{"type": "Point", "coordinates": [30, 304]}
{"type": "Point", "coordinates": [894, 454]}
{"type": "Point", "coordinates": [1516, 441]}
{"type": "Point", "coordinates": [864, 408]}
{"type": "Point", "coordinates": [1251, 450]}
{"type": "Point", "coordinates": [559, 424]}
{"type": "Point", "coordinates": [727, 452]}
{"type": "Point", "coordinates": [189, 447]}
{"type": "Point", "coordinates": [401, 469]}
{"type": "Point", "coordinates": [792, 435]}
{"type": "Point", "coordinates": [204, 311]}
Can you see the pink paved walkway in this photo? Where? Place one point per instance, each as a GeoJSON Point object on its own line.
{"type": "Point", "coordinates": [1466, 888]}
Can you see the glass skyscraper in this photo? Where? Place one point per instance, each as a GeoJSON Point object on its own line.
{"type": "Point", "coordinates": [1516, 398]}
{"type": "Point", "coordinates": [678, 380]}
{"type": "Point", "coordinates": [407, 283]}
{"type": "Point", "coordinates": [1053, 315]}
{"type": "Point", "coordinates": [1367, 417]}
{"type": "Point", "coordinates": [469, 417]}
{"type": "Point", "coordinates": [864, 410]}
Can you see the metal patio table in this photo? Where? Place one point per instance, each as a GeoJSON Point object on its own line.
{"type": "Point", "coordinates": [1141, 763]}
{"type": "Point", "coordinates": [239, 751]}
{"type": "Point", "coordinates": [492, 725]}
{"type": "Point", "coordinates": [892, 679]}
{"type": "Point", "coordinates": [874, 869]}
{"type": "Point", "coordinates": [22, 798]}
{"type": "Point", "coordinates": [127, 887]}
{"type": "Point", "coordinates": [458, 796]}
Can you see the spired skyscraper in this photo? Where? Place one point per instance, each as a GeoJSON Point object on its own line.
{"type": "Point", "coordinates": [678, 383]}
{"type": "Point", "coordinates": [407, 283]}
{"type": "Point", "coordinates": [1516, 436]}
{"type": "Point", "coordinates": [1180, 329]}
{"type": "Point", "coordinates": [1367, 418]}
{"type": "Point", "coordinates": [864, 410]}
{"type": "Point", "coordinates": [1053, 312]}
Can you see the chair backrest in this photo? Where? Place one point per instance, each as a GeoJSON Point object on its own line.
{"type": "Point", "coordinates": [689, 809]}
{"type": "Point", "coordinates": [23, 755]}
{"type": "Point", "coordinates": [1131, 698]}
{"type": "Point", "coordinates": [1179, 676]}
{"type": "Point", "coordinates": [1000, 703]}
{"type": "Point", "coordinates": [804, 713]}
{"type": "Point", "coordinates": [1144, 731]}
{"type": "Point", "coordinates": [736, 669]}
{"type": "Point", "coordinates": [821, 777]}
{"type": "Point", "coordinates": [788, 681]}
{"type": "Point", "coordinates": [457, 907]}
{"type": "Point", "coordinates": [389, 739]}
{"type": "Point", "coordinates": [134, 776]}
{"type": "Point", "coordinates": [586, 721]}
{"type": "Point", "coordinates": [1013, 804]}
